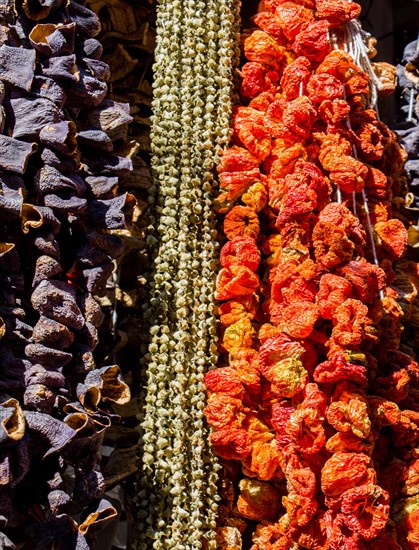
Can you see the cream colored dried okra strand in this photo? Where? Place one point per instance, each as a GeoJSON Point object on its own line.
{"type": "Point", "coordinates": [165, 148]}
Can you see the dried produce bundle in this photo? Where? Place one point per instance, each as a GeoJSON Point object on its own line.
{"type": "Point", "coordinates": [59, 204]}
{"type": "Point", "coordinates": [194, 65]}
{"type": "Point", "coordinates": [313, 396]}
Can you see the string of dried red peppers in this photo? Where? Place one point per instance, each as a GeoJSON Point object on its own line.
{"type": "Point", "coordinates": [314, 408]}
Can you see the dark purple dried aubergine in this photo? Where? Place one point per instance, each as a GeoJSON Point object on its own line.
{"type": "Point", "coordinates": [113, 213]}
{"type": "Point", "coordinates": [12, 422]}
{"type": "Point", "coordinates": [107, 164]}
{"type": "Point", "coordinates": [48, 357]}
{"type": "Point", "coordinates": [88, 335]}
{"type": "Point", "coordinates": [66, 203]}
{"type": "Point", "coordinates": [9, 259]}
{"type": "Point", "coordinates": [102, 187]}
{"type": "Point", "coordinates": [60, 136]}
{"type": "Point", "coordinates": [61, 502]}
{"type": "Point", "coordinates": [85, 447]}
{"type": "Point", "coordinates": [15, 281]}
{"type": "Point", "coordinates": [30, 115]}
{"type": "Point", "coordinates": [91, 256]}
{"type": "Point", "coordinates": [63, 164]}
{"type": "Point", "coordinates": [96, 517]}
{"type": "Point", "coordinates": [108, 117]}
{"type": "Point", "coordinates": [39, 9]}
{"type": "Point", "coordinates": [50, 221]}
{"type": "Point", "coordinates": [37, 374]}
{"type": "Point", "coordinates": [45, 268]}
{"type": "Point", "coordinates": [88, 91]}
{"type": "Point", "coordinates": [10, 206]}
{"type": "Point", "coordinates": [90, 48]}
{"type": "Point", "coordinates": [51, 431]}
{"type": "Point", "coordinates": [88, 24]}
{"type": "Point", "coordinates": [17, 66]}
{"type": "Point", "coordinates": [97, 68]}
{"type": "Point", "coordinates": [31, 217]}
{"type": "Point", "coordinates": [110, 383]}
{"type": "Point", "coordinates": [97, 277]}
{"type": "Point", "coordinates": [53, 40]}
{"type": "Point", "coordinates": [90, 308]}
{"type": "Point", "coordinates": [57, 300]}
{"type": "Point", "coordinates": [95, 139]}
{"type": "Point", "coordinates": [47, 244]}
{"type": "Point", "coordinates": [10, 184]}
{"type": "Point", "coordinates": [62, 68]}
{"type": "Point", "coordinates": [89, 485]}
{"type": "Point", "coordinates": [6, 543]}
{"type": "Point", "coordinates": [59, 533]}
{"type": "Point", "coordinates": [15, 154]}
{"type": "Point", "coordinates": [50, 180]}
{"type": "Point", "coordinates": [14, 463]}
{"type": "Point", "coordinates": [52, 333]}
{"type": "Point", "coordinates": [47, 88]}
{"type": "Point", "coordinates": [40, 398]}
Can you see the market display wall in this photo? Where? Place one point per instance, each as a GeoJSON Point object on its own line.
{"type": "Point", "coordinates": [278, 398]}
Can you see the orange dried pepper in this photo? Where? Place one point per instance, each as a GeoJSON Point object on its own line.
{"type": "Point", "coordinates": [334, 111]}
{"type": "Point", "coordinates": [350, 320]}
{"type": "Point", "coordinates": [224, 411]}
{"type": "Point", "coordinates": [392, 238]}
{"type": "Point", "coordinates": [299, 116]}
{"type": "Point", "coordinates": [295, 78]}
{"type": "Point", "coordinates": [333, 291]}
{"type": "Point", "coordinates": [324, 87]}
{"type": "Point", "coordinates": [235, 282]}
{"type": "Point", "coordinates": [338, 368]}
{"type": "Point", "coordinates": [283, 158]}
{"type": "Point", "coordinates": [293, 18]}
{"type": "Point", "coordinates": [350, 413]}
{"type": "Point", "coordinates": [236, 309]}
{"type": "Point", "coordinates": [269, 23]}
{"type": "Point", "coordinates": [224, 380]}
{"type": "Point", "coordinates": [241, 221]}
{"type": "Point", "coordinates": [287, 377]}
{"type": "Point", "coordinates": [249, 129]}
{"type": "Point", "coordinates": [366, 279]}
{"type": "Point", "coordinates": [256, 79]}
{"type": "Point", "coordinates": [237, 159]}
{"type": "Point", "coordinates": [331, 245]}
{"type": "Point", "coordinates": [340, 65]}
{"type": "Point", "coordinates": [366, 510]}
{"type": "Point", "coordinates": [238, 335]}
{"type": "Point", "coordinates": [231, 443]}
{"type": "Point", "coordinates": [306, 431]}
{"type": "Point", "coordinates": [263, 49]}
{"type": "Point", "coordinates": [264, 462]}
{"type": "Point", "coordinates": [245, 362]}
{"type": "Point", "coordinates": [256, 197]}
{"type": "Point", "coordinates": [337, 12]}
{"type": "Point", "coordinates": [313, 42]}
{"type": "Point", "coordinates": [344, 471]}
{"type": "Point", "coordinates": [240, 251]}
{"type": "Point", "coordinates": [258, 500]}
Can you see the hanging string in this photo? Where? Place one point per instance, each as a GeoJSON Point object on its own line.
{"type": "Point", "coordinates": [354, 45]}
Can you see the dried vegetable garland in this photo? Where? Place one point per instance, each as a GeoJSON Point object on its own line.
{"type": "Point", "coordinates": [59, 175]}
{"type": "Point", "coordinates": [194, 65]}
{"type": "Point", "coordinates": [313, 406]}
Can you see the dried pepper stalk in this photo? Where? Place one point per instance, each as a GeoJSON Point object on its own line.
{"type": "Point", "coordinates": [313, 396]}
{"type": "Point", "coordinates": [60, 202]}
